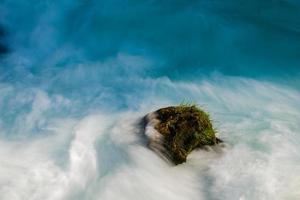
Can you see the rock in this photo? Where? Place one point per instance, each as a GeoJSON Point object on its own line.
{"type": "Point", "coordinates": [178, 130]}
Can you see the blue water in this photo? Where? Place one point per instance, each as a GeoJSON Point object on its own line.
{"type": "Point", "coordinates": [75, 77]}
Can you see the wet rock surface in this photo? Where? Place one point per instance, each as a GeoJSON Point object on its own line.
{"type": "Point", "coordinates": [178, 130]}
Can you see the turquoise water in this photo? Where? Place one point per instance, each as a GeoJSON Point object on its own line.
{"type": "Point", "coordinates": [76, 76]}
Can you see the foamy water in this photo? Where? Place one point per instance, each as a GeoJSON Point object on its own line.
{"type": "Point", "coordinates": [76, 77]}
{"type": "Point", "coordinates": [102, 156]}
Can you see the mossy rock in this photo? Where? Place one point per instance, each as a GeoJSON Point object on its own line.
{"type": "Point", "coordinates": [183, 129]}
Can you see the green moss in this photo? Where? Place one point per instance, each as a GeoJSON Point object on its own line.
{"type": "Point", "coordinates": [184, 127]}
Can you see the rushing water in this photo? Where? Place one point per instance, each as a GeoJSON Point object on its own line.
{"type": "Point", "coordinates": [76, 76]}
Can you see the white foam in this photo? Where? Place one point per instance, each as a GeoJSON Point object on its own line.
{"type": "Point", "coordinates": [102, 156]}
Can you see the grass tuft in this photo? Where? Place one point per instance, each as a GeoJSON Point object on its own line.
{"type": "Point", "coordinates": [185, 127]}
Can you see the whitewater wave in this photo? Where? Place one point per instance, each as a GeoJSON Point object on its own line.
{"type": "Point", "coordinates": [76, 77]}
{"type": "Point", "coordinates": [99, 155]}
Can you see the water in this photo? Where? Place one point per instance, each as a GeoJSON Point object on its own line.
{"type": "Point", "coordinates": [77, 76]}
